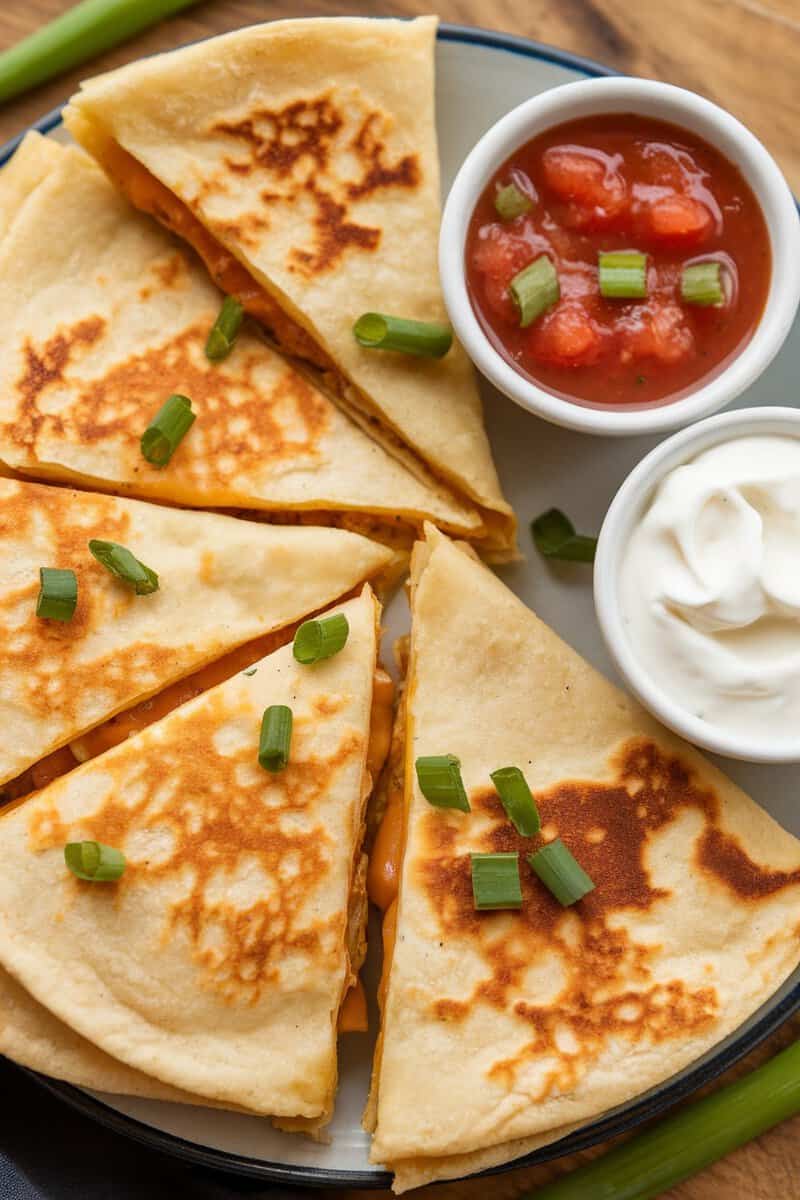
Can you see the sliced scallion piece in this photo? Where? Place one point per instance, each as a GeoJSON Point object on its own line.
{"type": "Point", "coordinates": [224, 330]}
{"type": "Point", "coordinates": [94, 862]}
{"type": "Point", "coordinates": [535, 289]}
{"type": "Point", "coordinates": [701, 283]}
{"type": "Point", "coordinates": [555, 537]}
{"type": "Point", "coordinates": [276, 737]}
{"type": "Point", "coordinates": [513, 790]}
{"type": "Point", "coordinates": [495, 881]}
{"type": "Point", "coordinates": [439, 778]}
{"type": "Point", "coordinates": [511, 202]}
{"type": "Point", "coordinates": [561, 873]}
{"type": "Point", "coordinates": [320, 638]}
{"type": "Point", "coordinates": [125, 566]}
{"type": "Point", "coordinates": [58, 594]}
{"type": "Point", "coordinates": [167, 430]}
{"type": "Point", "coordinates": [424, 339]}
{"type": "Point", "coordinates": [623, 275]}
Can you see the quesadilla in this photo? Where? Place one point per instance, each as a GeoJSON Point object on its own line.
{"type": "Point", "coordinates": [299, 159]}
{"type": "Point", "coordinates": [101, 329]}
{"type": "Point", "coordinates": [219, 959]}
{"type": "Point", "coordinates": [502, 1029]}
{"type": "Point", "coordinates": [224, 586]}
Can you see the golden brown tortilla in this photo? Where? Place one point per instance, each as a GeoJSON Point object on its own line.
{"type": "Point", "coordinates": [300, 159]}
{"type": "Point", "coordinates": [502, 1029]}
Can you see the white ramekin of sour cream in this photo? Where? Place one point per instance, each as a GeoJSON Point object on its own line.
{"type": "Point", "coordinates": [697, 583]}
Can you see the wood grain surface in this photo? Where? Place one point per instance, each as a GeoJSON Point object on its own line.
{"type": "Point", "coordinates": [745, 54]}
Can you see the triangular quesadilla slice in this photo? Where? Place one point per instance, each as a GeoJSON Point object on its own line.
{"type": "Point", "coordinates": [225, 586]}
{"type": "Point", "coordinates": [218, 961]}
{"type": "Point", "coordinates": [98, 333]}
{"type": "Point", "coordinates": [501, 1029]}
{"type": "Point", "coordinates": [299, 158]}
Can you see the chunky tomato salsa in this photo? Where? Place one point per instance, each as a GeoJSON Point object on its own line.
{"type": "Point", "coordinates": [618, 260]}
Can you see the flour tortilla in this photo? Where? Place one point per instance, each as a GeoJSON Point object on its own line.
{"type": "Point", "coordinates": [305, 151]}
{"type": "Point", "coordinates": [223, 582]}
{"type": "Point", "coordinates": [218, 963]}
{"type": "Point", "coordinates": [501, 1030]}
{"type": "Point", "coordinates": [113, 319]}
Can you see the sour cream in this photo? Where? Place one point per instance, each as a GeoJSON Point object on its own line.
{"type": "Point", "coordinates": [710, 587]}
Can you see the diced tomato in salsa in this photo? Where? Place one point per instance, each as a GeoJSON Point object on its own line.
{"type": "Point", "coordinates": [614, 183]}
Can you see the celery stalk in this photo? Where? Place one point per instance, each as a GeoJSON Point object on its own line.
{"type": "Point", "coordinates": [691, 1139]}
{"type": "Point", "coordinates": [79, 34]}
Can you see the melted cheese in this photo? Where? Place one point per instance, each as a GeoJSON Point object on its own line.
{"type": "Point", "coordinates": [386, 859]}
{"type": "Point", "coordinates": [353, 1012]}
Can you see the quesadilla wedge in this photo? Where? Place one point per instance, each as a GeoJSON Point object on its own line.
{"type": "Point", "coordinates": [502, 1029]}
{"type": "Point", "coordinates": [225, 587]}
{"type": "Point", "coordinates": [299, 159]}
{"type": "Point", "coordinates": [114, 318]}
{"type": "Point", "coordinates": [218, 961]}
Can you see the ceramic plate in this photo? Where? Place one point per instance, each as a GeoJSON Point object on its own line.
{"type": "Point", "coordinates": [480, 76]}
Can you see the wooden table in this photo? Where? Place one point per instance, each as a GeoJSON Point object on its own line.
{"type": "Point", "coordinates": [745, 54]}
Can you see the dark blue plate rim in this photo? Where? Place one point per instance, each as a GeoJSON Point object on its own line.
{"type": "Point", "coordinates": [769, 1018]}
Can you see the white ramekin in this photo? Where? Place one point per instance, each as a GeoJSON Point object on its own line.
{"type": "Point", "coordinates": [667, 103]}
{"type": "Point", "coordinates": [627, 509]}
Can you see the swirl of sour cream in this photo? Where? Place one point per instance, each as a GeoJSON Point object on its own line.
{"type": "Point", "coordinates": [710, 586]}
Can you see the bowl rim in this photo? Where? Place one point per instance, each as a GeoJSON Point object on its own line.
{"type": "Point", "coordinates": [680, 107]}
{"type": "Point", "coordinates": [629, 504]}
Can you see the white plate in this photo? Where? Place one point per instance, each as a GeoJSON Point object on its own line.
{"type": "Point", "coordinates": [480, 76]}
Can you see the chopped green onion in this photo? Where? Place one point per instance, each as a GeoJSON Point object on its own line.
{"type": "Point", "coordinates": [425, 339]}
{"type": "Point", "coordinates": [701, 283]}
{"type": "Point", "coordinates": [652, 1163]}
{"type": "Point", "coordinates": [623, 275]}
{"type": "Point", "coordinates": [94, 862]}
{"type": "Point", "coordinates": [167, 430]}
{"type": "Point", "coordinates": [276, 737]}
{"type": "Point", "coordinates": [58, 594]}
{"type": "Point", "coordinates": [439, 778]}
{"type": "Point", "coordinates": [495, 881]}
{"type": "Point", "coordinates": [555, 537]}
{"type": "Point", "coordinates": [513, 790]}
{"type": "Point", "coordinates": [82, 32]}
{"type": "Point", "coordinates": [320, 638]}
{"type": "Point", "coordinates": [250, 671]}
{"type": "Point", "coordinates": [224, 330]}
{"type": "Point", "coordinates": [121, 563]}
{"type": "Point", "coordinates": [511, 202]}
{"type": "Point", "coordinates": [561, 873]}
{"type": "Point", "coordinates": [535, 289]}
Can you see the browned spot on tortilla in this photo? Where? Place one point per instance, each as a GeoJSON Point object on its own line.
{"type": "Point", "coordinates": [44, 365]}
{"type": "Point", "coordinates": [170, 271]}
{"type": "Point", "coordinates": [219, 813]}
{"type": "Point", "coordinates": [609, 989]}
{"type": "Point", "coordinates": [311, 155]}
{"type": "Point", "coordinates": [241, 426]}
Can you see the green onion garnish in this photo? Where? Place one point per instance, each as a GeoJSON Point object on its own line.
{"type": "Point", "coordinates": [555, 537]}
{"type": "Point", "coordinates": [224, 330]}
{"type": "Point", "coordinates": [513, 790]}
{"type": "Point", "coordinates": [701, 283]}
{"type": "Point", "coordinates": [320, 638]}
{"type": "Point", "coordinates": [58, 594]}
{"type": "Point", "coordinates": [495, 881]}
{"type": "Point", "coordinates": [167, 430]}
{"type": "Point", "coordinates": [623, 275]}
{"type": "Point", "coordinates": [439, 778]}
{"type": "Point", "coordinates": [678, 1146]}
{"type": "Point", "coordinates": [250, 671]}
{"type": "Point", "coordinates": [276, 737]}
{"type": "Point", "coordinates": [511, 202]}
{"type": "Point", "coordinates": [121, 563]}
{"type": "Point", "coordinates": [94, 862]}
{"type": "Point", "coordinates": [535, 289]}
{"type": "Point", "coordinates": [377, 331]}
{"type": "Point", "coordinates": [561, 873]}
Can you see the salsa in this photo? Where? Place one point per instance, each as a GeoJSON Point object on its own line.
{"type": "Point", "coordinates": [653, 215]}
